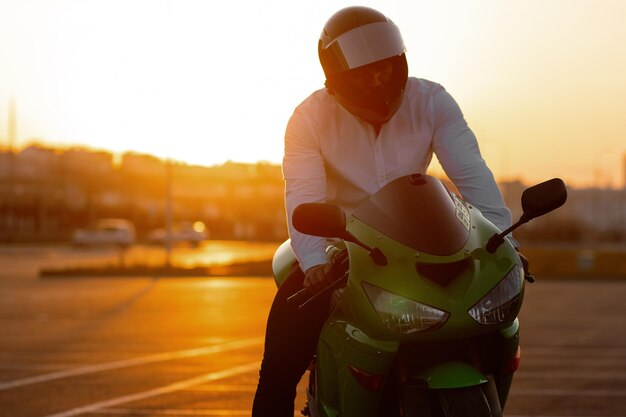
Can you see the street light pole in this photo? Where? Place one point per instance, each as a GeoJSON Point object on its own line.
{"type": "Point", "coordinates": [168, 214]}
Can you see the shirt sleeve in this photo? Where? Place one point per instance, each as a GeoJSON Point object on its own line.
{"type": "Point", "coordinates": [457, 149]}
{"type": "Point", "coordinates": [305, 182]}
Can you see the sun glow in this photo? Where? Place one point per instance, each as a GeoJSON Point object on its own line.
{"type": "Point", "coordinates": [206, 82]}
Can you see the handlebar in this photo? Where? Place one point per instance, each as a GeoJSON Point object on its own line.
{"type": "Point", "coordinates": [304, 296]}
{"type": "Point", "coordinates": [339, 267]}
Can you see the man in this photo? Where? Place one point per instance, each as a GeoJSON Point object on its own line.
{"type": "Point", "coordinates": [370, 125]}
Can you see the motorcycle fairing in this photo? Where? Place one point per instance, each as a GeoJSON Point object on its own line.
{"type": "Point", "coordinates": [342, 344]}
{"type": "Point", "coordinates": [419, 212]}
{"type": "Point", "coordinates": [452, 374]}
{"type": "Point", "coordinates": [401, 276]}
{"type": "Point", "coordinates": [283, 262]}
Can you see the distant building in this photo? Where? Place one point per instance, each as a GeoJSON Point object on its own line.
{"type": "Point", "coordinates": [45, 194]}
{"type": "Point", "coordinates": [588, 214]}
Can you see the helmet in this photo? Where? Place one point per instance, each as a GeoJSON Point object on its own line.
{"type": "Point", "coordinates": [363, 57]}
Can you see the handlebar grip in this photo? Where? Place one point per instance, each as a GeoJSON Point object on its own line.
{"type": "Point", "coordinates": [339, 267]}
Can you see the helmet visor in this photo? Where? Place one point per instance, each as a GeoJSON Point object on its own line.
{"type": "Point", "coordinates": [375, 87]}
{"type": "Point", "coordinates": [362, 46]}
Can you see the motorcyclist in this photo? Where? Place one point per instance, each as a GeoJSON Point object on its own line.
{"type": "Point", "coordinates": [371, 124]}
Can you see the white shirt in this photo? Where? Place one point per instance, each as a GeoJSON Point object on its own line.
{"type": "Point", "coordinates": [333, 156]}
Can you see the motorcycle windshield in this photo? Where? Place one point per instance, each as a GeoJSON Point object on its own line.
{"type": "Point", "coordinates": [418, 211]}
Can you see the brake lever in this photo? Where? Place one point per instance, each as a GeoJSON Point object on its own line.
{"type": "Point", "coordinates": [335, 284]}
{"type": "Point", "coordinates": [304, 296]}
{"type": "Point", "coordinates": [299, 296]}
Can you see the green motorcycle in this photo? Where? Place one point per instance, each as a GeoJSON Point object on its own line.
{"type": "Point", "coordinates": [427, 294]}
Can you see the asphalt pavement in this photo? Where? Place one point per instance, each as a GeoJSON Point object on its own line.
{"type": "Point", "coordinates": [164, 346]}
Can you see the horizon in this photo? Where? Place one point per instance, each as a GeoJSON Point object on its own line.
{"type": "Point", "coordinates": [540, 84]}
{"type": "Point", "coordinates": [434, 169]}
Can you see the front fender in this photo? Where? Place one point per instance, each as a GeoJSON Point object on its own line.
{"type": "Point", "coordinates": [451, 375]}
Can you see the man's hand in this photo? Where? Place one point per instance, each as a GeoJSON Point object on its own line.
{"type": "Point", "coordinates": [317, 277]}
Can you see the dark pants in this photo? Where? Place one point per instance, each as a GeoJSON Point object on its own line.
{"type": "Point", "coordinates": [290, 342]}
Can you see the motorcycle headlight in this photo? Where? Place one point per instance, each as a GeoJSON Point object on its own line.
{"type": "Point", "coordinates": [401, 314]}
{"type": "Point", "coordinates": [500, 303]}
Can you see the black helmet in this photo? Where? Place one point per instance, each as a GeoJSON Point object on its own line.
{"type": "Point", "coordinates": [362, 54]}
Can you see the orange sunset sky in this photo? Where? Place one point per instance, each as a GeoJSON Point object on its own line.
{"type": "Point", "coordinates": [541, 82]}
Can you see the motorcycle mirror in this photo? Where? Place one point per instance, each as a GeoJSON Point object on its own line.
{"type": "Point", "coordinates": [536, 201]}
{"type": "Point", "coordinates": [543, 198]}
{"type": "Point", "coordinates": [328, 220]}
{"type": "Point", "coordinates": [319, 219]}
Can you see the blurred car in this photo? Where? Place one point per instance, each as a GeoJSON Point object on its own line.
{"type": "Point", "coordinates": [188, 232]}
{"type": "Point", "coordinates": [102, 232]}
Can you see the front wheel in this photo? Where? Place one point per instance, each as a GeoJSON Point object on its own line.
{"type": "Point", "coordinates": [462, 402]}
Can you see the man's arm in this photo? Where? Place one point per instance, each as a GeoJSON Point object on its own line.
{"type": "Point", "coordinates": [305, 182]}
{"type": "Point", "coordinates": [457, 149]}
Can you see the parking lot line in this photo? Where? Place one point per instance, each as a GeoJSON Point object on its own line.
{"type": "Point", "coordinates": [159, 357]}
{"type": "Point", "coordinates": [173, 412]}
{"type": "Point", "coordinates": [167, 389]}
